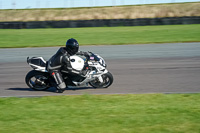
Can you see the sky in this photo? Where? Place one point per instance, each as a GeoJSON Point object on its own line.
{"type": "Point", "coordinates": [26, 4]}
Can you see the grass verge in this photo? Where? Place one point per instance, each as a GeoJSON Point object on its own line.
{"type": "Point", "coordinates": [99, 35]}
{"type": "Point", "coordinates": [142, 113]}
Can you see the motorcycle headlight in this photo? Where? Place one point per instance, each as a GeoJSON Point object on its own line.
{"type": "Point", "coordinates": [101, 61]}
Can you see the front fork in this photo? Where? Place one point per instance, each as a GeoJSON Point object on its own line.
{"type": "Point", "coordinates": [92, 76]}
{"type": "Point", "coordinates": [100, 78]}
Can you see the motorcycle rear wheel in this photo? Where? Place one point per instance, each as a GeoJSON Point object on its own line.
{"type": "Point", "coordinates": [37, 80]}
{"type": "Point", "coordinates": [107, 81]}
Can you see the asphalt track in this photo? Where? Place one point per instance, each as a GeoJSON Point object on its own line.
{"type": "Point", "coordinates": [148, 68]}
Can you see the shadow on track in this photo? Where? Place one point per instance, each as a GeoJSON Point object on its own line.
{"type": "Point", "coordinates": [29, 89]}
{"type": "Point", "coordinates": [20, 89]}
{"type": "Point", "coordinates": [52, 89]}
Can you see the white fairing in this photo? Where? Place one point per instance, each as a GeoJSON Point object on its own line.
{"type": "Point", "coordinates": [37, 66]}
{"type": "Point", "coordinates": [77, 63]}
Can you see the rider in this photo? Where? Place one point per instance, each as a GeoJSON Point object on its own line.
{"type": "Point", "coordinates": [62, 58]}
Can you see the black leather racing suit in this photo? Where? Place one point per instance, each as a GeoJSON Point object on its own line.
{"type": "Point", "coordinates": [57, 61]}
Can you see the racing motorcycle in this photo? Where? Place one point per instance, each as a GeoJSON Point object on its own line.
{"type": "Point", "coordinates": [93, 67]}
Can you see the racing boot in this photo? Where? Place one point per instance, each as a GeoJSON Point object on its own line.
{"type": "Point", "coordinates": [60, 90]}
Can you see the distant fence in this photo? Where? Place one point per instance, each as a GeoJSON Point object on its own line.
{"type": "Point", "coordinates": [100, 23]}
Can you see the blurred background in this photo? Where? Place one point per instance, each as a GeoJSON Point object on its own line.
{"type": "Point", "coordinates": [51, 10]}
{"type": "Point", "coordinates": [25, 4]}
{"type": "Point", "coordinates": [48, 11]}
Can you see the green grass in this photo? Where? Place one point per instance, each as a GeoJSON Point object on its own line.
{"type": "Point", "coordinates": [99, 35]}
{"type": "Point", "coordinates": [142, 113]}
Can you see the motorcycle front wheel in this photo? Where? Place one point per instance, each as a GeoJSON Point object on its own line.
{"type": "Point", "coordinates": [37, 80]}
{"type": "Point", "coordinates": [107, 81]}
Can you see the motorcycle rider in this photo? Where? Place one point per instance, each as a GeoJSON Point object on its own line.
{"type": "Point", "coordinates": [62, 58]}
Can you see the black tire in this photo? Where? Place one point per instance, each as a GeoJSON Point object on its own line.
{"type": "Point", "coordinates": [37, 80]}
{"type": "Point", "coordinates": [107, 81]}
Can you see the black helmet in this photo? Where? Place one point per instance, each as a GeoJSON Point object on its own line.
{"type": "Point", "coordinates": [72, 46]}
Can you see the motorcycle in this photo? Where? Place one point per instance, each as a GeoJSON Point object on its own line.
{"type": "Point", "coordinates": [93, 67]}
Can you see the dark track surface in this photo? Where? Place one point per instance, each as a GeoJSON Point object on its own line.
{"type": "Point", "coordinates": [150, 68]}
